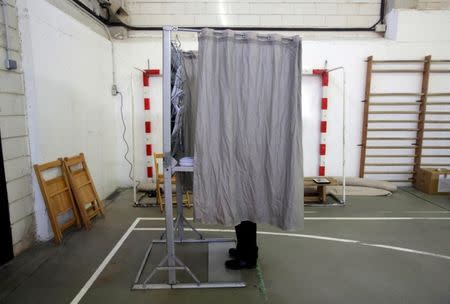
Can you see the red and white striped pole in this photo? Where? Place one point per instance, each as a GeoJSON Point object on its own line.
{"type": "Point", "coordinates": [148, 125]}
{"type": "Point", "coordinates": [323, 120]}
{"type": "Point", "coordinates": [323, 74]}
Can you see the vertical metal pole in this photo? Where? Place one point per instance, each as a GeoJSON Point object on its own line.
{"type": "Point", "coordinates": [168, 155]}
{"type": "Point", "coordinates": [133, 143]}
{"type": "Point", "coordinates": [343, 135]}
{"type": "Point", "coordinates": [180, 208]}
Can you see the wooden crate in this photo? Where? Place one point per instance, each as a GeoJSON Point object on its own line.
{"type": "Point", "coordinates": [431, 180]}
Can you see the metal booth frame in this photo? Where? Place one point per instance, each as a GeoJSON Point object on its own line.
{"type": "Point", "coordinates": [170, 263]}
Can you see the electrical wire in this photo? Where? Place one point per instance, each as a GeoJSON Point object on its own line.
{"type": "Point", "coordinates": [125, 156]}
{"type": "Point", "coordinates": [261, 28]}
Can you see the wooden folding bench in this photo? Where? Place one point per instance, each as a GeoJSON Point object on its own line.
{"type": "Point", "coordinates": [57, 197]}
{"type": "Point", "coordinates": [86, 197]}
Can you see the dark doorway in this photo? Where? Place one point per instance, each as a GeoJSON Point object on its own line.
{"type": "Point", "coordinates": [6, 246]}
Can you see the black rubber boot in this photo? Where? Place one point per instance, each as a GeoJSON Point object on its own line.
{"type": "Point", "coordinates": [245, 255]}
{"type": "Point", "coordinates": [233, 253]}
{"type": "Point", "coordinates": [238, 264]}
{"type": "Point", "coordinates": [240, 240]}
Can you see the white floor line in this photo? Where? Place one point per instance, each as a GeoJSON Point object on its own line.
{"type": "Point", "coordinates": [133, 227]}
{"type": "Point", "coordinates": [105, 262]}
{"type": "Point", "coordinates": [427, 211]}
{"type": "Point", "coordinates": [319, 237]}
{"type": "Point", "coordinates": [356, 218]}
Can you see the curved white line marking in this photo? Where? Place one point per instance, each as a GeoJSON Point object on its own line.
{"type": "Point", "coordinates": [319, 237]}
{"type": "Point", "coordinates": [133, 227]}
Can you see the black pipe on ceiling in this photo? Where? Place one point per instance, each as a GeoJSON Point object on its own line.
{"type": "Point", "coordinates": [241, 28]}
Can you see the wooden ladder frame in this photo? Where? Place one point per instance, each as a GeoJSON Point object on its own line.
{"type": "Point", "coordinates": [418, 140]}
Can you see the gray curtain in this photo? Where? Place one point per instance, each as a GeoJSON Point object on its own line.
{"type": "Point", "coordinates": [190, 112]}
{"type": "Point", "coordinates": [248, 144]}
{"type": "Point", "coordinates": [190, 96]}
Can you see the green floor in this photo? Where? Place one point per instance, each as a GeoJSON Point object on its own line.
{"type": "Point", "coordinates": [335, 259]}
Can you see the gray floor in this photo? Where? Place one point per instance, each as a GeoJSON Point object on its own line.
{"type": "Point", "coordinates": [302, 268]}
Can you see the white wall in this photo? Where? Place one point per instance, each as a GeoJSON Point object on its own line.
{"type": "Point", "coordinates": [68, 86]}
{"type": "Point", "coordinates": [350, 53]}
{"type": "Point", "coordinates": [415, 25]}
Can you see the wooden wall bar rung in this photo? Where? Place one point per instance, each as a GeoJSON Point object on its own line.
{"type": "Point", "coordinates": [398, 61]}
{"type": "Point", "coordinates": [437, 121]}
{"type": "Point", "coordinates": [437, 103]}
{"type": "Point", "coordinates": [439, 71]}
{"type": "Point", "coordinates": [439, 94]}
{"type": "Point", "coordinates": [388, 164]}
{"type": "Point", "coordinates": [391, 130]}
{"type": "Point", "coordinates": [396, 94]}
{"type": "Point", "coordinates": [389, 172]}
{"type": "Point", "coordinates": [399, 180]}
{"type": "Point", "coordinates": [393, 112]}
{"type": "Point", "coordinates": [436, 147]}
{"type": "Point", "coordinates": [389, 147]}
{"type": "Point", "coordinates": [390, 103]}
{"type": "Point", "coordinates": [397, 71]}
{"type": "Point", "coordinates": [390, 156]}
{"type": "Point", "coordinates": [436, 156]}
{"type": "Point", "coordinates": [391, 138]}
{"type": "Point", "coordinates": [437, 130]}
{"type": "Point", "coordinates": [436, 165]}
{"type": "Point", "coordinates": [440, 61]}
{"type": "Point", "coordinates": [436, 138]}
{"type": "Point", "coordinates": [392, 121]}
{"type": "Point", "coordinates": [437, 113]}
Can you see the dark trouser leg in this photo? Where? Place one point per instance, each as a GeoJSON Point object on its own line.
{"type": "Point", "coordinates": [246, 241]}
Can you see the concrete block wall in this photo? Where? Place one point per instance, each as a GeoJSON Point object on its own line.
{"type": "Point", "coordinates": [433, 4]}
{"type": "Point", "coordinates": [14, 136]}
{"type": "Point", "coordinates": [270, 13]}
{"type": "Point", "coordinates": [418, 4]}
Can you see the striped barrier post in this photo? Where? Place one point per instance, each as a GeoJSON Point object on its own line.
{"type": "Point", "coordinates": [148, 125]}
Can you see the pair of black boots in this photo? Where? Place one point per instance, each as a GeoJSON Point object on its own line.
{"type": "Point", "coordinates": [245, 255]}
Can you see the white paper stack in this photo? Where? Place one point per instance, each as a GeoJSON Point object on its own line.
{"type": "Point", "coordinates": [186, 162]}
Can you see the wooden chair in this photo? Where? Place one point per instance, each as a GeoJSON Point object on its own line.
{"type": "Point", "coordinates": [57, 197]}
{"type": "Point", "coordinates": [86, 196]}
{"type": "Point", "coordinates": [158, 157]}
